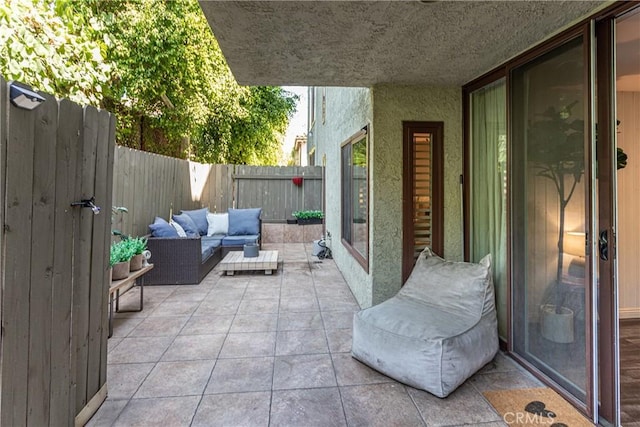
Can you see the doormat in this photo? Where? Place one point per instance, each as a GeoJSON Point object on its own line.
{"type": "Point", "coordinates": [535, 407]}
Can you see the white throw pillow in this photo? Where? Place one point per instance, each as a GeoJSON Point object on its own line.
{"type": "Point", "coordinates": [179, 229]}
{"type": "Point", "coordinates": [218, 223]}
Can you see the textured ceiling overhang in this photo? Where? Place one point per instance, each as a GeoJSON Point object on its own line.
{"type": "Point", "coordinates": [363, 43]}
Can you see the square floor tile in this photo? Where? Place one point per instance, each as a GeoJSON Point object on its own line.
{"type": "Point", "coordinates": [303, 371]}
{"type": "Point", "coordinates": [259, 306]}
{"type": "Point", "coordinates": [175, 308]}
{"type": "Point", "coordinates": [260, 291]}
{"type": "Point", "coordinates": [338, 319]}
{"type": "Point", "coordinates": [251, 344]}
{"type": "Point", "coordinates": [122, 326]}
{"type": "Point", "coordinates": [205, 325]}
{"type": "Point", "coordinates": [300, 321]}
{"type": "Point", "coordinates": [176, 379]}
{"type": "Point", "coordinates": [379, 405]}
{"type": "Point", "coordinates": [254, 323]}
{"type": "Point", "coordinates": [107, 413]}
{"type": "Point", "coordinates": [236, 409]}
{"type": "Point", "coordinates": [113, 343]}
{"type": "Point", "coordinates": [240, 375]}
{"type": "Point", "coordinates": [301, 342]}
{"type": "Point", "coordinates": [319, 407]}
{"type": "Point", "coordinates": [139, 350]}
{"type": "Point", "coordinates": [197, 294]}
{"type": "Point", "coordinates": [464, 406]}
{"type": "Point", "coordinates": [298, 304]}
{"type": "Point", "coordinates": [504, 381]}
{"type": "Point", "coordinates": [159, 326]}
{"type": "Point", "coordinates": [194, 347]}
{"type": "Point", "coordinates": [297, 291]}
{"type": "Point", "coordinates": [338, 304]}
{"type": "Point", "coordinates": [349, 371]}
{"type": "Point", "coordinates": [340, 340]}
{"type": "Point", "coordinates": [124, 379]}
{"type": "Point", "coordinates": [217, 307]}
{"type": "Point", "coordinates": [500, 363]}
{"type": "Point", "coordinates": [173, 411]}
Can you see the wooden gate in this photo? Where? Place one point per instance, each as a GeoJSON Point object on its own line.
{"type": "Point", "coordinates": [54, 273]}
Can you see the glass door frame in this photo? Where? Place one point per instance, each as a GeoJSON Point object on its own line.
{"type": "Point", "coordinates": [608, 331]}
{"type": "Point", "coordinates": [603, 401]}
{"type": "Point", "coordinates": [581, 31]}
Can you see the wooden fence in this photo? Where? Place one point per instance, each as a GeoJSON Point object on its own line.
{"type": "Point", "coordinates": [54, 271]}
{"type": "Point", "coordinates": [151, 185]}
{"type": "Point", "coordinates": [272, 189]}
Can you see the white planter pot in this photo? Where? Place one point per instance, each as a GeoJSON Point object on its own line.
{"type": "Point", "coordinates": [557, 327]}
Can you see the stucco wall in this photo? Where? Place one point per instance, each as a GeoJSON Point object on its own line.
{"type": "Point", "coordinates": [347, 111]}
{"type": "Point", "coordinates": [385, 107]}
{"type": "Point", "coordinates": [391, 106]}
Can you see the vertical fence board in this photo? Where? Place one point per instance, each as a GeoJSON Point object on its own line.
{"type": "Point", "coordinates": [62, 408]}
{"type": "Point", "coordinates": [119, 165]}
{"type": "Point", "coordinates": [42, 241]}
{"type": "Point", "coordinates": [4, 116]}
{"type": "Point", "coordinates": [3, 167]}
{"type": "Point", "coordinates": [108, 201]}
{"type": "Point", "coordinates": [83, 254]}
{"type": "Point", "coordinates": [15, 310]}
{"type": "Point", "coordinates": [97, 290]}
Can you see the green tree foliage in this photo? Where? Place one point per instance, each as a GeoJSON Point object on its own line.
{"type": "Point", "coordinates": [157, 65]}
{"type": "Point", "coordinates": [251, 137]}
{"type": "Point", "coordinates": [48, 51]}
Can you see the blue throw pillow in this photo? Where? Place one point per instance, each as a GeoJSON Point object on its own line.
{"type": "Point", "coordinates": [187, 224]}
{"type": "Point", "coordinates": [161, 228]}
{"type": "Point", "coordinates": [244, 221]}
{"type": "Point", "coordinates": [199, 217]}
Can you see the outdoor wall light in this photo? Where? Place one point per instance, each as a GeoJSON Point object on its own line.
{"type": "Point", "coordinates": [24, 98]}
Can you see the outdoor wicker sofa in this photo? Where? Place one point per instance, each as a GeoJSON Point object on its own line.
{"type": "Point", "coordinates": [182, 260]}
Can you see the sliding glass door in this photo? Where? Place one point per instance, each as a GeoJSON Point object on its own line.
{"type": "Point", "coordinates": [550, 215]}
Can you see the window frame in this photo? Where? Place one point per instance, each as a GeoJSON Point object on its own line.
{"type": "Point", "coordinates": [346, 197]}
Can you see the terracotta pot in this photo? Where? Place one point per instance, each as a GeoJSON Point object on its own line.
{"type": "Point", "coordinates": [136, 262]}
{"type": "Point", "coordinates": [120, 271]}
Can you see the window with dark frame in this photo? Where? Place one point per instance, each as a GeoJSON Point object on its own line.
{"type": "Point", "coordinates": [355, 196]}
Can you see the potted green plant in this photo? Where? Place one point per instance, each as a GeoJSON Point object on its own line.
{"type": "Point", "coordinates": [119, 260]}
{"type": "Point", "coordinates": [135, 246]}
{"type": "Point", "coordinates": [556, 150]}
{"type": "Point", "coordinates": [309, 217]}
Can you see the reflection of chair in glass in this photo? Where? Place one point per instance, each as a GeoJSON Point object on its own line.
{"type": "Point", "coordinates": [437, 331]}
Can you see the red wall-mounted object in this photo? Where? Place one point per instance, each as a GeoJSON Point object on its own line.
{"type": "Point", "coordinates": [297, 180]}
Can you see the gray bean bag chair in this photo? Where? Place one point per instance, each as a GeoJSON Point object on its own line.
{"type": "Point", "coordinates": [437, 331]}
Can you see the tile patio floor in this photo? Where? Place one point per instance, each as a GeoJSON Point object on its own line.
{"type": "Point", "coordinates": [256, 350]}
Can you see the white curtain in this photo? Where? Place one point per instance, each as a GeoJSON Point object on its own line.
{"type": "Point", "coordinates": [488, 186]}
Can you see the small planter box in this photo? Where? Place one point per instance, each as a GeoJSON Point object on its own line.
{"type": "Point", "coordinates": [309, 221]}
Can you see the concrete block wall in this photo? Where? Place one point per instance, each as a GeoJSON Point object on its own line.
{"type": "Point", "coordinates": [290, 233]}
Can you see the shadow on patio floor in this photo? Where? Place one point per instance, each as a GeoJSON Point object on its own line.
{"type": "Point", "coordinates": [256, 350]}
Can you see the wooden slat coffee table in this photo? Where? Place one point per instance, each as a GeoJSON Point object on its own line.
{"type": "Point", "coordinates": [235, 261]}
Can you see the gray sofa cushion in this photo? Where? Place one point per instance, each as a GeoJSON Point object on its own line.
{"type": "Point", "coordinates": [244, 221]}
{"type": "Point", "coordinates": [239, 240]}
{"type": "Point", "coordinates": [208, 245]}
{"type": "Point", "coordinates": [187, 224]}
{"type": "Point", "coordinates": [199, 217]}
{"type": "Point", "coordinates": [437, 331]}
{"type": "Point", "coordinates": [161, 228]}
